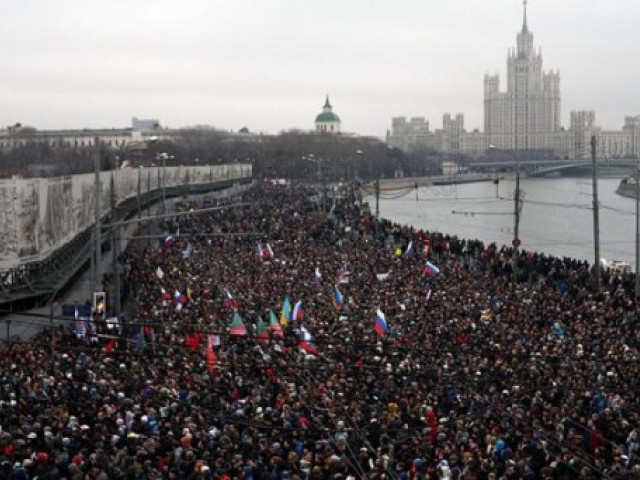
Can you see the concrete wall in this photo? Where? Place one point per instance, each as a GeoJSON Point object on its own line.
{"type": "Point", "coordinates": [39, 215]}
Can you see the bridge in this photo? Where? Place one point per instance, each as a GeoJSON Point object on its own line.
{"type": "Point", "coordinates": [546, 168]}
{"type": "Point", "coordinates": [584, 167]}
{"type": "Point", "coordinates": [48, 222]}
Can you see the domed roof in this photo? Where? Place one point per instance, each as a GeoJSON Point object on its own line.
{"type": "Point", "coordinates": [327, 117]}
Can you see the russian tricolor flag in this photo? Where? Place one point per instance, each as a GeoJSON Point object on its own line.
{"type": "Point", "coordinates": [430, 269]}
{"type": "Point", "coordinates": [230, 302]}
{"type": "Point", "coordinates": [343, 274]}
{"type": "Point", "coordinates": [169, 241]}
{"type": "Point", "coordinates": [306, 342]}
{"type": "Point", "coordinates": [297, 311]}
{"type": "Point", "coordinates": [165, 297]}
{"type": "Point", "coordinates": [179, 300]}
{"type": "Point", "coordinates": [265, 250]}
{"type": "Point", "coordinates": [381, 327]}
{"type": "Point", "coordinates": [338, 299]}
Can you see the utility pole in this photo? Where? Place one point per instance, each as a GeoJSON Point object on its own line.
{"type": "Point", "coordinates": [114, 253]}
{"type": "Point", "coordinates": [596, 221]}
{"type": "Point", "coordinates": [319, 179]}
{"type": "Point", "coordinates": [139, 192]}
{"type": "Point", "coordinates": [324, 193]}
{"type": "Point", "coordinates": [637, 278]}
{"type": "Point", "coordinates": [97, 271]}
{"type": "Point", "coordinates": [158, 169]}
{"type": "Point", "coordinates": [164, 181]}
{"type": "Point", "coordinates": [92, 258]}
{"type": "Point", "coordinates": [377, 197]}
{"type": "Point", "coordinates": [147, 193]}
{"type": "Point", "coordinates": [516, 227]}
{"type": "Point", "coordinates": [516, 219]}
{"type": "Point", "coordinates": [139, 202]}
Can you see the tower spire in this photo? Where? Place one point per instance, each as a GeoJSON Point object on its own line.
{"type": "Point", "coordinates": [524, 16]}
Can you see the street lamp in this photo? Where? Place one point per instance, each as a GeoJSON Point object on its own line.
{"type": "Point", "coordinates": [360, 156]}
{"type": "Point", "coordinates": [637, 278]}
{"type": "Point", "coordinates": [95, 257]}
{"type": "Point", "coordinates": [114, 218]}
{"type": "Point", "coordinates": [163, 156]}
{"type": "Point", "coordinates": [516, 209]}
{"type": "Point", "coordinates": [114, 251]}
{"type": "Point", "coordinates": [318, 161]}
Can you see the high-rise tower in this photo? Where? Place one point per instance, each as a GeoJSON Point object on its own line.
{"type": "Point", "coordinates": [527, 115]}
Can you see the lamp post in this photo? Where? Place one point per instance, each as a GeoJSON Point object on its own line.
{"type": "Point", "coordinates": [132, 154]}
{"type": "Point", "coordinates": [114, 251]}
{"type": "Point", "coordinates": [516, 228]}
{"type": "Point", "coordinates": [319, 177]}
{"type": "Point", "coordinates": [515, 242]}
{"type": "Point", "coordinates": [596, 214]}
{"type": "Point", "coordinates": [96, 271]}
{"type": "Point", "coordinates": [164, 156]}
{"type": "Point", "coordinates": [637, 278]}
{"type": "Point", "coordinates": [115, 246]}
{"type": "Point", "coordinates": [164, 183]}
{"type": "Point", "coordinates": [360, 155]}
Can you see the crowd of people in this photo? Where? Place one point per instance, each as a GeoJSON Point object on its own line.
{"type": "Point", "coordinates": [271, 340]}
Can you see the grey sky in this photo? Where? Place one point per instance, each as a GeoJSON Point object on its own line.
{"type": "Point", "coordinates": [268, 64]}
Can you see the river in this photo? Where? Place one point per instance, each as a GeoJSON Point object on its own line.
{"type": "Point", "coordinates": [556, 216]}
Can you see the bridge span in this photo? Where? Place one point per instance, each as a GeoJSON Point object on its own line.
{"type": "Point", "coordinates": [48, 222]}
{"type": "Point", "coordinates": [542, 168]}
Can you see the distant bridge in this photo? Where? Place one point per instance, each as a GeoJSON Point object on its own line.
{"type": "Point", "coordinates": [546, 168]}
{"type": "Point", "coordinates": [584, 167]}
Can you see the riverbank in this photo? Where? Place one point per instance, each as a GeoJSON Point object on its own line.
{"type": "Point", "coordinates": [556, 216]}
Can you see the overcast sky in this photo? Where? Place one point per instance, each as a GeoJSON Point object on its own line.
{"type": "Point", "coordinates": [267, 64]}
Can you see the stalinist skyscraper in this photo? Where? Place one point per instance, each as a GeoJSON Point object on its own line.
{"type": "Point", "coordinates": [527, 115]}
{"type": "Point", "coordinates": [523, 120]}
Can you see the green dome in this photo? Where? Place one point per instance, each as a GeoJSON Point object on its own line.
{"type": "Point", "coordinates": [328, 117]}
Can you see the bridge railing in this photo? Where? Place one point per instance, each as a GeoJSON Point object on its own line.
{"type": "Point", "coordinates": [40, 215]}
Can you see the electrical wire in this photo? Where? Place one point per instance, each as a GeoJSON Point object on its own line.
{"type": "Point", "coordinates": [583, 461]}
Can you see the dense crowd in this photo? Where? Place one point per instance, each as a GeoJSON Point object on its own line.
{"type": "Point", "coordinates": [491, 363]}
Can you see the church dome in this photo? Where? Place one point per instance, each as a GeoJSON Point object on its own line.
{"type": "Point", "coordinates": [327, 121]}
{"type": "Point", "coordinates": [327, 117]}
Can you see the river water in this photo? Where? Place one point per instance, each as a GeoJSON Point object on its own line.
{"type": "Point", "coordinates": [556, 216]}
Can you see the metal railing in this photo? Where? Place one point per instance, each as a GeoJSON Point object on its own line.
{"type": "Point", "coordinates": [36, 282]}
